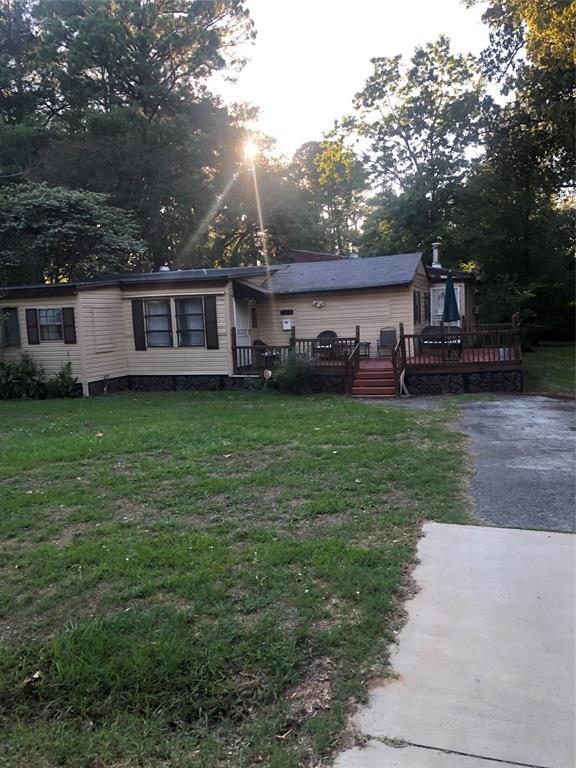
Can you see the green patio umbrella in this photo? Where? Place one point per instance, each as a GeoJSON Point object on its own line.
{"type": "Point", "coordinates": [450, 313]}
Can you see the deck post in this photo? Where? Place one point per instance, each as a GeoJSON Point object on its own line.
{"type": "Point", "coordinates": [516, 337]}
{"type": "Point", "coordinates": [402, 344]}
{"type": "Point", "coordinates": [292, 342]}
{"type": "Point", "coordinates": [234, 353]}
{"type": "Point", "coordinates": [443, 345]}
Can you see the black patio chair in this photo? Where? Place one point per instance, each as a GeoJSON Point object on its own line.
{"type": "Point", "coordinates": [386, 342]}
{"type": "Point", "coordinates": [325, 345]}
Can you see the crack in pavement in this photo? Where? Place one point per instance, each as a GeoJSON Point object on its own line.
{"type": "Point", "coordinates": [401, 744]}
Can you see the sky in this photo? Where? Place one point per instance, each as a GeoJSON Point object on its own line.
{"type": "Point", "coordinates": [312, 56]}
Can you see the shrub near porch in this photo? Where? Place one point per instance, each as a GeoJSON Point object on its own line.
{"type": "Point", "coordinates": [205, 579]}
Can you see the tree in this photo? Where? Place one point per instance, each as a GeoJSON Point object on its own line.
{"type": "Point", "coordinates": [289, 219]}
{"type": "Point", "coordinates": [532, 54]}
{"type": "Point", "coordinates": [149, 55]}
{"type": "Point", "coordinates": [50, 233]}
{"type": "Point", "coordinates": [167, 173]}
{"type": "Point", "coordinates": [334, 177]}
{"type": "Point", "coordinates": [423, 123]}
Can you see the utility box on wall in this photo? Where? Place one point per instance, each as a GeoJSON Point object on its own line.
{"type": "Point", "coordinates": [286, 324]}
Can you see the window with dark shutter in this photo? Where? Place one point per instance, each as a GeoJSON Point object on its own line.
{"type": "Point", "coordinates": [158, 321]}
{"type": "Point", "coordinates": [210, 322]}
{"type": "Point", "coordinates": [9, 330]}
{"type": "Point", "coordinates": [138, 324]}
{"type": "Point", "coordinates": [190, 322]}
{"type": "Point", "coordinates": [50, 324]}
{"type": "Point", "coordinates": [69, 325]}
{"type": "Point", "coordinates": [32, 326]}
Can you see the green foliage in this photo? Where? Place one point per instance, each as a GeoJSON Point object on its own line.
{"type": "Point", "coordinates": [51, 233]}
{"type": "Point", "coordinates": [23, 378]}
{"type": "Point", "coordinates": [65, 57]}
{"type": "Point", "coordinates": [294, 377]}
{"type": "Point", "coordinates": [26, 379]}
{"type": "Point", "coordinates": [334, 177]}
{"type": "Point", "coordinates": [550, 369]}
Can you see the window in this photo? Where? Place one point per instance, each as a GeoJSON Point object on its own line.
{"type": "Point", "coordinates": [9, 330]}
{"type": "Point", "coordinates": [437, 304]}
{"type": "Point", "coordinates": [254, 313]}
{"type": "Point", "coordinates": [190, 322]}
{"type": "Point", "coordinates": [417, 307]}
{"type": "Point", "coordinates": [50, 324]}
{"type": "Point", "coordinates": [158, 320]}
{"type": "Point", "coordinates": [196, 322]}
{"type": "Point", "coordinates": [427, 308]}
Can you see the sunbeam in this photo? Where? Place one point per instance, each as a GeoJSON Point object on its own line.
{"type": "Point", "coordinates": [260, 217]}
{"type": "Point", "coordinates": [212, 211]}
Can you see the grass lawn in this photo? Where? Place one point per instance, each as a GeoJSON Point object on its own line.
{"type": "Point", "coordinates": [550, 370]}
{"type": "Point", "coordinates": [205, 579]}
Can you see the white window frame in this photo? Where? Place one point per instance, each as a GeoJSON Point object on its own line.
{"type": "Point", "coordinates": [42, 325]}
{"type": "Point", "coordinates": [437, 300]}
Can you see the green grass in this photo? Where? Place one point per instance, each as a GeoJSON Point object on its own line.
{"type": "Point", "coordinates": [550, 370]}
{"type": "Point", "coordinates": [205, 579]}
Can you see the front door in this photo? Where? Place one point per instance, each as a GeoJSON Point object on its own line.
{"type": "Point", "coordinates": [243, 317]}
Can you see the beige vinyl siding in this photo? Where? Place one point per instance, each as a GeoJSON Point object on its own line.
{"type": "Point", "coordinates": [51, 355]}
{"type": "Point", "coordinates": [371, 309]}
{"type": "Point", "coordinates": [104, 344]}
{"type": "Point", "coordinates": [179, 361]}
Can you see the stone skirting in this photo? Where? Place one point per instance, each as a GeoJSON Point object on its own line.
{"type": "Point", "coordinates": [320, 383]}
{"type": "Point", "coordinates": [460, 383]}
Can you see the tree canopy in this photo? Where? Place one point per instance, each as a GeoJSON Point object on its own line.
{"type": "Point", "coordinates": [115, 154]}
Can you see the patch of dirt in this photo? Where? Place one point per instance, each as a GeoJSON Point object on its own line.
{"type": "Point", "coordinates": [66, 535]}
{"type": "Point", "coordinates": [129, 511]}
{"type": "Point", "coordinates": [337, 611]}
{"type": "Point", "coordinates": [313, 693]}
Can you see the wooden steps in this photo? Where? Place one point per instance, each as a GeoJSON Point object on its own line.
{"type": "Point", "coordinates": [374, 378]}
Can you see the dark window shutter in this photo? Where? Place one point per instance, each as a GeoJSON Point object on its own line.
{"type": "Point", "coordinates": [138, 323]}
{"type": "Point", "coordinates": [210, 321]}
{"type": "Point", "coordinates": [32, 326]}
{"type": "Point", "coordinates": [69, 325]}
{"type": "Point", "coordinates": [11, 327]}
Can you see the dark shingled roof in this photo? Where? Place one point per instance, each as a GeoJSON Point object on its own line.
{"type": "Point", "coordinates": [337, 275]}
{"type": "Point", "coordinates": [343, 274]}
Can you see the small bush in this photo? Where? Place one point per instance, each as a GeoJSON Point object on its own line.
{"type": "Point", "coordinates": [295, 377]}
{"type": "Point", "coordinates": [26, 379]}
{"type": "Point", "coordinates": [63, 384]}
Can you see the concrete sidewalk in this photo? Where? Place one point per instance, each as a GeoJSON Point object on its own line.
{"type": "Point", "coordinates": [486, 661]}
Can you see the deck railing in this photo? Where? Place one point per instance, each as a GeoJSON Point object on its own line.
{"type": "Point", "coordinates": [325, 353]}
{"type": "Point", "coordinates": [463, 348]}
{"type": "Point", "coordinates": [487, 347]}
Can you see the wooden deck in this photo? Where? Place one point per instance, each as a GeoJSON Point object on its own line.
{"type": "Point", "coordinates": [484, 359]}
{"type": "Point", "coordinates": [487, 348]}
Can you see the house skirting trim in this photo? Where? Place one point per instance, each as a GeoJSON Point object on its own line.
{"type": "Point", "coordinates": [460, 383]}
{"type": "Point", "coordinates": [320, 383]}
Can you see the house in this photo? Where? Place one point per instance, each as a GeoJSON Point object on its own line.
{"type": "Point", "coordinates": [208, 327]}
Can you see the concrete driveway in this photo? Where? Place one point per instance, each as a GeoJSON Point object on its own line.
{"type": "Point", "coordinates": [523, 450]}
{"type": "Point", "coordinates": [485, 663]}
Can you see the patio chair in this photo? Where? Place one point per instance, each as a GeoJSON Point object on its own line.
{"type": "Point", "coordinates": [386, 342]}
{"type": "Point", "coordinates": [433, 338]}
{"type": "Point", "coordinates": [325, 345]}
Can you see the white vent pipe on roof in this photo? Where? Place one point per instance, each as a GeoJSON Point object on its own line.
{"type": "Point", "coordinates": [436, 255]}
{"type": "Point", "coordinates": [164, 268]}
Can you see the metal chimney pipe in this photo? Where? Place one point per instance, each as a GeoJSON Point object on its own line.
{"type": "Point", "coordinates": [436, 255]}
